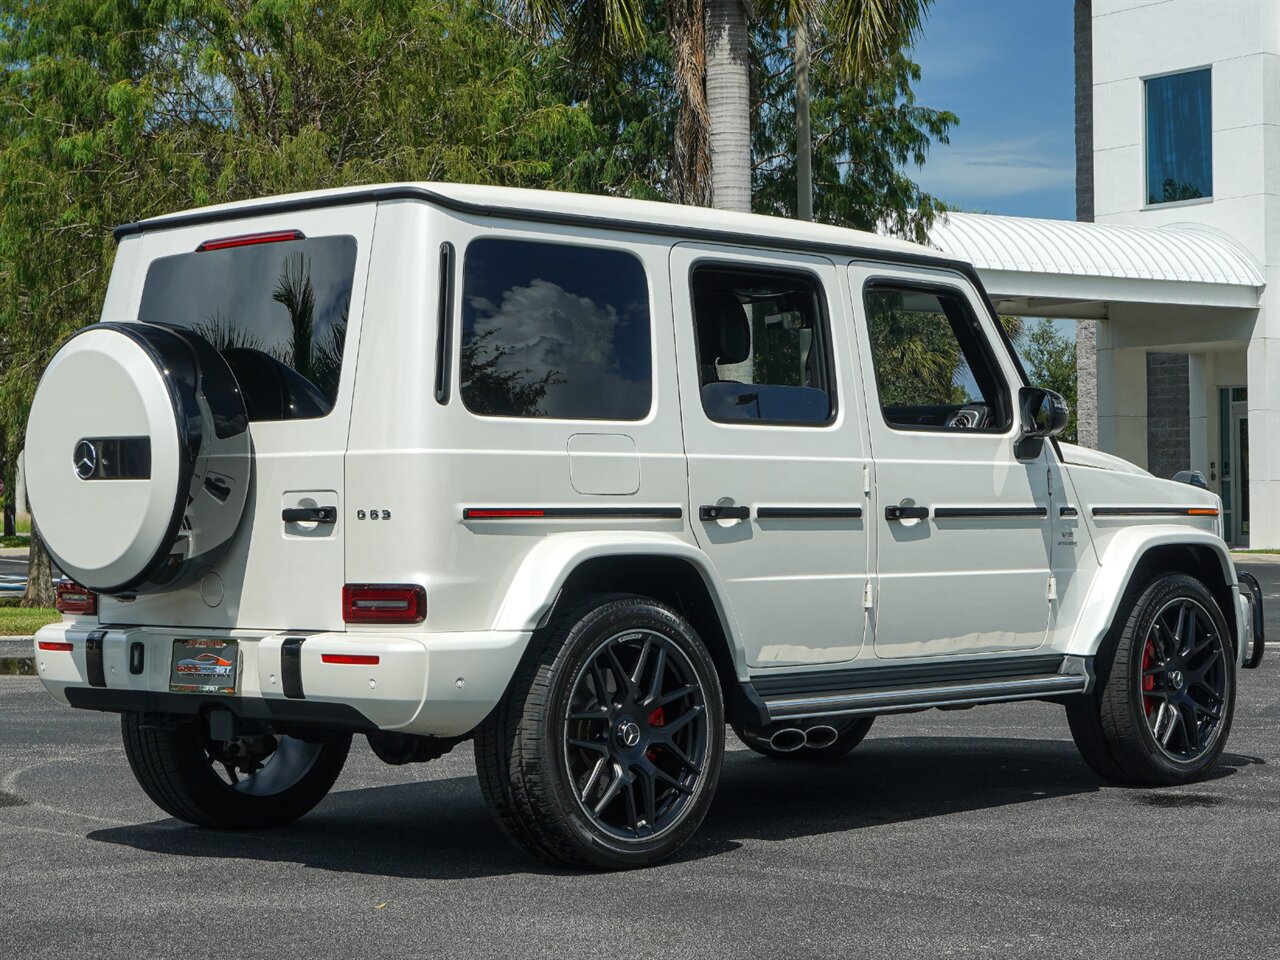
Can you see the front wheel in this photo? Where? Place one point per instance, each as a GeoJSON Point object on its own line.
{"type": "Point", "coordinates": [1162, 707]}
{"type": "Point", "coordinates": [606, 750]}
{"type": "Point", "coordinates": [253, 782]}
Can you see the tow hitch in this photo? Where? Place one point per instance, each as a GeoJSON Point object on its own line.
{"type": "Point", "coordinates": [1253, 655]}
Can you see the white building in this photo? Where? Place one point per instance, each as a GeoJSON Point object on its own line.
{"type": "Point", "coordinates": [1176, 281]}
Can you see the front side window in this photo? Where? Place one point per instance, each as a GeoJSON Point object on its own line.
{"type": "Point", "coordinates": [276, 311]}
{"type": "Point", "coordinates": [763, 348]}
{"type": "Point", "coordinates": [552, 330]}
{"type": "Point", "coordinates": [933, 369]}
{"type": "Point", "coordinates": [1179, 137]}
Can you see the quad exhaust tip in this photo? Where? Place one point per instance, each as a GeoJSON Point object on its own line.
{"type": "Point", "coordinates": [789, 739]}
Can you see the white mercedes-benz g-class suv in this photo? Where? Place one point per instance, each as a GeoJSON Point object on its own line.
{"type": "Point", "coordinates": [586, 480]}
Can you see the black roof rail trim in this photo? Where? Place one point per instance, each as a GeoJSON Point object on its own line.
{"type": "Point", "coordinates": [703, 234]}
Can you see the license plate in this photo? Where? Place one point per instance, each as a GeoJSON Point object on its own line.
{"type": "Point", "coordinates": [204, 666]}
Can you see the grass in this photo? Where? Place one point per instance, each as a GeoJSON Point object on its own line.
{"type": "Point", "coordinates": [24, 621]}
{"type": "Point", "coordinates": [1256, 551]}
{"type": "Point", "coordinates": [20, 541]}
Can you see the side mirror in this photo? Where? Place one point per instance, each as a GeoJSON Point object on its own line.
{"type": "Point", "coordinates": [1044, 413]}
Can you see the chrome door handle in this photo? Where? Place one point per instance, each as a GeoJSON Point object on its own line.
{"type": "Point", "coordinates": [309, 514]}
{"type": "Point", "coordinates": [897, 512]}
{"type": "Point", "coordinates": [718, 512]}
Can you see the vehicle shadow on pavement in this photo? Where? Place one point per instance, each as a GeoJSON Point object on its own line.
{"type": "Point", "coordinates": [896, 780]}
{"type": "Point", "coordinates": [440, 829]}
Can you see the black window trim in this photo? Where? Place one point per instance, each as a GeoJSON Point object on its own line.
{"type": "Point", "coordinates": [444, 330]}
{"type": "Point", "coordinates": [984, 343]}
{"type": "Point", "coordinates": [588, 243]}
{"type": "Point", "coordinates": [823, 301]}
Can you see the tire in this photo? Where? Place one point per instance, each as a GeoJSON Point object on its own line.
{"type": "Point", "coordinates": [178, 769]}
{"type": "Point", "coordinates": [610, 781]}
{"type": "Point", "coordinates": [850, 732]}
{"type": "Point", "coordinates": [1164, 696]}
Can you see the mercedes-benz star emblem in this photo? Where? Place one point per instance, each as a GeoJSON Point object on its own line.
{"type": "Point", "coordinates": [628, 733]}
{"type": "Point", "coordinates": [85, 459]}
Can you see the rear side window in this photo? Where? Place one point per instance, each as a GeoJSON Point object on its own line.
{"type": "Point", "coordinates": [276, 311]}
{"type": "Point", "coordinates": [763, 348]}
{"type": "Point", "coordinates": [551, 330]}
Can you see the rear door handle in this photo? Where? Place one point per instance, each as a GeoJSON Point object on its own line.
{"type": "Point", "coordinates": [897, 512]}
{"type": "Point", "coordinates": [309, 515]}
{"type": "Point", "coordinates": [718, 512]}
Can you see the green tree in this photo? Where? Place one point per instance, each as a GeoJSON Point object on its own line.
{"type": "Point", "coordinates": [1050, 359]}
{"type": "Point", "coordinates": [711, 43]}
{"type": "Point", "coordinates": [113, 110]}
{"type": "Point", "coordinates": [865, 138]}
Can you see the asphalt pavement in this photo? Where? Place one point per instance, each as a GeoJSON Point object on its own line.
{"type": "Point", "coordinates": [975, 833]}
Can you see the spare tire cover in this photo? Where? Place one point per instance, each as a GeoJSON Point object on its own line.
{"type": "Point", "coordinates": [137, 457]}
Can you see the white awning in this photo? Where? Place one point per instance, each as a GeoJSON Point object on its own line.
{"type": "Point", "coordinates": [1028, 260]}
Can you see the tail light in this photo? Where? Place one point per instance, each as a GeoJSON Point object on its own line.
{"type": "Point", "coordinates": [384, 603]}
{"type": "Point", "coordinates": [75, 599]}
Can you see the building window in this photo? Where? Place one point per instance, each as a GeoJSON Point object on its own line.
{"type": "Point", "coordinates": [552, 330]}
{"type": "Point", "coordinates": [1179, 138]}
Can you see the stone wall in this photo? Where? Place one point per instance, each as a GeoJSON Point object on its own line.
{"type": "Point", "coordinates": [1168, 414]}
{"type": "Point", "coordinates": [1086, 330]}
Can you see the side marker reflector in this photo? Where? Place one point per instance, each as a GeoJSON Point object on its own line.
{"type": "Point", "coordinates": [349, 658]}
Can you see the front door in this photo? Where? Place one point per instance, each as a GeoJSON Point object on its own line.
{"type": "Point", "coordinates": [963, 535]}
{"type": "Point", "coordinates": [776, 448]}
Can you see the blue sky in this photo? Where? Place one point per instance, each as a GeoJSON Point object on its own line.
{"type": "Point", "coordinates": [1005, 68]}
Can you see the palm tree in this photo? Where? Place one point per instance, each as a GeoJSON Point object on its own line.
{"type": "Point", "coordinates": [710, 42]}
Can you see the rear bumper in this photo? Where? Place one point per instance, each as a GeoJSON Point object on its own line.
{"type": "Point", "coordinates": [437, 684]}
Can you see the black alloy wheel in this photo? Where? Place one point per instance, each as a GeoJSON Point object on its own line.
{"type": "Point", "coordinates": [635, 735]}
{"type": "Point", "coordinates": [606, 749]}
{"type": "Point", "coordinates": [1184, 680]}
{"type": "Point", "coordinates": [1164, 692]}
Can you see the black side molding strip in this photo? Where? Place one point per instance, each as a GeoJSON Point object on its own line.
{"type": "Point", "coordinates": [1068, 512]}
{"type": "Point", "coordinates": [976, 513]}
{"type": "Point", "coordinates": [1155, 511]}
{"type": "Point", "coordinates": [574, 513]}
{"type": "Point", "coordinates": [808, 513]}
{"type": "Point", "coordinates": [291, 668]}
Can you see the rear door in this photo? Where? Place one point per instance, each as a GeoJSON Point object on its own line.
{"type": "Point", "coordinates": [280, 296]}
{"type": "Point", "coordinates": [776, 448]}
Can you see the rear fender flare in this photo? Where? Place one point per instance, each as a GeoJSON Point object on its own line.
{"type": "Point", "coordinates": [545, 569]}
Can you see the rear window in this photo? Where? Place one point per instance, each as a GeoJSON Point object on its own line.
{"type": "Point", "coordinates": [551, 330]}
{"type": "Point", "coordinates": [276, 311]}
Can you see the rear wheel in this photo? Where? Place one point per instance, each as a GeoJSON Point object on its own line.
{"type": "Point", "coordinates": [1162, 707]}
{"type": "Point", "coordinates": [260, 781]}
{"type": "Point", "coordinates": [606, 750]}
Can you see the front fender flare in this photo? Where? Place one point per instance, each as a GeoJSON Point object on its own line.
{"type": "Point", "coordinates": [546, 567]}
{"type": "Point", "coordinates": [1125, 550]}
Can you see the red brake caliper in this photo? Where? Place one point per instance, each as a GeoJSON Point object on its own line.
{"type": "Point", "coordinates": [1148, 682]}
{"type": "Point", "coordinates": [656, 719]}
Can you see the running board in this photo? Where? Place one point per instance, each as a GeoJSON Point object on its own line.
{"type": "Point", "coordinates": [875, 690]}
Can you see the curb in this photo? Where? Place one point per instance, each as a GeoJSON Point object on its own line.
{"type": "Point", "coordinates": [17, 658]}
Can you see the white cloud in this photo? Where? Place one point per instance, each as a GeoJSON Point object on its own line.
{"type": "Point", "coordinates": [998, 169]}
